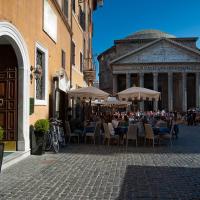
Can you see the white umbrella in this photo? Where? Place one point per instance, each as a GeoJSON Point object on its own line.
{"type": "Point", "coordinates": [88, 93]}
{"type": "Point", "coordinates": [115, 101]}
{"type": "Point", "coordinates": [138, 93]}
{"type": "Point", "coordinates": [110, 101]}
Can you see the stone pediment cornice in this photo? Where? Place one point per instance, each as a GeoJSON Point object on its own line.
{"type": "Point", "coordinates": [157, 63]}
{"type": "Point", "coordinates": [191, 50]}
{"type": "Point", "coordinates": [131, 40]}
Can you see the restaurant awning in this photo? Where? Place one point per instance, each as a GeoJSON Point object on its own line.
{"type": "Point", "coordinates": [88, 93]}
{"type": "Point", "coordinates": [138, 93]}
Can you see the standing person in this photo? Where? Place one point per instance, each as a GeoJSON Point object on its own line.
{"type": "Point", "coordinates": [115, 124]}
{"type": "Point", "coordinates": [126, 120]}
{"type": "Point", "coordinates": [194, 118]}
{"type": "Point", "coordinates": [176, 128]}
{"type": "Point", "coordinates": [175, 115]}
{"type": "Point", "coordinates": [189, 117]}
{"type": "Point", "coordinates": [115, 121]}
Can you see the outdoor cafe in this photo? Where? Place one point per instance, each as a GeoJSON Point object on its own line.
{"type": "Point", "coordinates": [113, 120]}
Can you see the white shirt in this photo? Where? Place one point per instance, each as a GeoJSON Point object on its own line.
{"type": "Point", "coordinates": [115, 123]}
{"type": "Point", "coordinates": [110, 126]}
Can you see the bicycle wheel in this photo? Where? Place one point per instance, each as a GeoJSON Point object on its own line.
{"type": "Point", "coordinates": [62, 136]}
{"type": "Point", "coordinates": [55, 142]}
{"type": "Point", "coordinates": [48, 142]}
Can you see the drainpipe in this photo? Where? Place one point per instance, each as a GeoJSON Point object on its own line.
{"type": "Point", "coordinates": [71, 47]}
{"type": "Point", "coordinates": [69, 100]}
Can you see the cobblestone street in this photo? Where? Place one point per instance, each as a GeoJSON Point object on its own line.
{"type": "Point", "coordinates": [101, 172]}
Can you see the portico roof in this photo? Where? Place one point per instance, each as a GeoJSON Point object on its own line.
{"type": "Point", "coordinates": [191, 50]}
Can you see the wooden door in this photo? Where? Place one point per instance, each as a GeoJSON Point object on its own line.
{"type": "Point", "coordinates": [8, 105]}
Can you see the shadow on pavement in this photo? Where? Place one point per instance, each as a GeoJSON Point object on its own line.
{"type": "Point", "coordinates": [146, 182]}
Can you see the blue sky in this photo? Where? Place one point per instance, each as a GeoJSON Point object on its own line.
{"type": "Point", "coordinates": [119, 18]}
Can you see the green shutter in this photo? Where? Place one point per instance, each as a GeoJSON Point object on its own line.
{"type": "Point", "coordinates": [31, 106]}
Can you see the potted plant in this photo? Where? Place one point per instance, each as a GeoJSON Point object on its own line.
{"type": "Point", "coordinates": [1, 146]}
{"type": "Point", "coordinates": [41, 127]}
{"type": "Point", "coordinates": [1, 133]}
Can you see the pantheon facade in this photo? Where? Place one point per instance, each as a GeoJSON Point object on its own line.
{"type": "Point", "coordinates": [154, 60]}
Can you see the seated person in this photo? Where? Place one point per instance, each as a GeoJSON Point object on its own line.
{"type": "Point", "coordinates": [152, 121]}
{"type": "Point", "coordinates": [161, 127]}
{"type": "Point", "coordinates": [161, 123]}
{"type": "Point", "coordinates": [88, 126]}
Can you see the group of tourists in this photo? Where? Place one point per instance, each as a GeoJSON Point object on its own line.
{"type": "Point", "coordinates": [192, 117]}
{"type": "Point", "coordinates": [120, 120]}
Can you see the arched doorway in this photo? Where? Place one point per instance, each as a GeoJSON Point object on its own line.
{"type": "Point", "coordinates": [8, 94]}
{"type": "Point", "coordinates": [14, 94]}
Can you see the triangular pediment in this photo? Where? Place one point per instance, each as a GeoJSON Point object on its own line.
{"type": "Point", "coordinates": [161, 50]}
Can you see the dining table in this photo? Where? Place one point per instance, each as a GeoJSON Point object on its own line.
{"type": "Point", "coordinates": [161, 130]}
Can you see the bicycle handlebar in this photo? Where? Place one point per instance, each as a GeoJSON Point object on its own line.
{"type": "Point", "coordinates": [55, 121]}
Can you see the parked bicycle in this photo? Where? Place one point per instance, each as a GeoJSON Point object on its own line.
{"type": "Point", "coordinates": [55, 136]}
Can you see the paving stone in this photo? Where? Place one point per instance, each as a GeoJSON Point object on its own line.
{"type": "Point", "coordinates": [89, 172]}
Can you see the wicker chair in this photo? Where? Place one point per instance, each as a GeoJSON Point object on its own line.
{"type": "Point", "coordinates": [95, 133]}
{"type": "Point", "coordinates": [69, 133]}
{"type": "Point", "coordinates": [149, 134]}
{"type": "Point", "coordinates": [132, 134]}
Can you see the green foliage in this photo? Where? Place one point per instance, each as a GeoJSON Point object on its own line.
{"type": "Point", "coordinates": [41, 125]}
{"type": "Point", "coordinates": [1, 133]}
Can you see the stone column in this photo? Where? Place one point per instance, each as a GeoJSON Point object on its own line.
{"type": "Point", "coordinates": [170, 91]}
{"type": "Point", "coordinates": [197, 90]}
{"type": "Point", "coordinates": [114, 84]}
{"type": "Point", "coordinates": [141, 85]}
{"type": "Point", "coordinates": [155, 87]}
{"type": "Point", "coordinates": [128, 80]}
{"type": "Point", "coordinates": [184, 91]}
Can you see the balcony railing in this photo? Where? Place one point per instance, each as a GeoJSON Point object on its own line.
{"type": "Point", "coordinates": [89, 75]}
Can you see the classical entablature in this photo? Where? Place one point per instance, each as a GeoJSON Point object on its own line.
{"type": "Point", "coordinates": [151, 68]}
{"type": "Point", "coordinates": [162, 50]}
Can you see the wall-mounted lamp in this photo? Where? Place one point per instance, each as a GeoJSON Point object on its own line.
{"type": "Point", "coordinates": [36, 72]}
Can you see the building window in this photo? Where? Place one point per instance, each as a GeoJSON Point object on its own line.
{"type": "Point", "coordinates": [74, 5]}
{"type": "Point", "coordinates": [81, 18]}
{"type": "Point", "coordinates": [73, 53]}
{"type": "Point", "coordinates": [41, 62]}
{"type": "Point", "coordinates": [65, 8]}
{"type": "Point", "coordinates": [63, 55]}
{"type": "Point", "coordinates": [81, 62]}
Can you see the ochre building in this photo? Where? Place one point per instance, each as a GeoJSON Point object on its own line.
{"type": "Point", "coordinates": [154, 60]}
{"type": "Point", "coordinates": [45, 49]}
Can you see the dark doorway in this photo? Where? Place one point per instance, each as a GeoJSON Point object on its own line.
{"type": "Point", "coordinates": [163, 89]}
{"type": "Point", "coordinates": [121, 82]}
{"type": "Point", "coordinates": [63, 106]}
{"type": "Point", "coordinates": [8, 95]}
{"type": "Point", "coordinates": [148, 83]}
{"type": "Point", "coordinates": [191, 92]}
{"type": "Point", "coordinates": [177, 92]}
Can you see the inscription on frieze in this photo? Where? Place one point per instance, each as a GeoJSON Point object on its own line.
{"type": "Point", "coordinates": [149, 69]}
